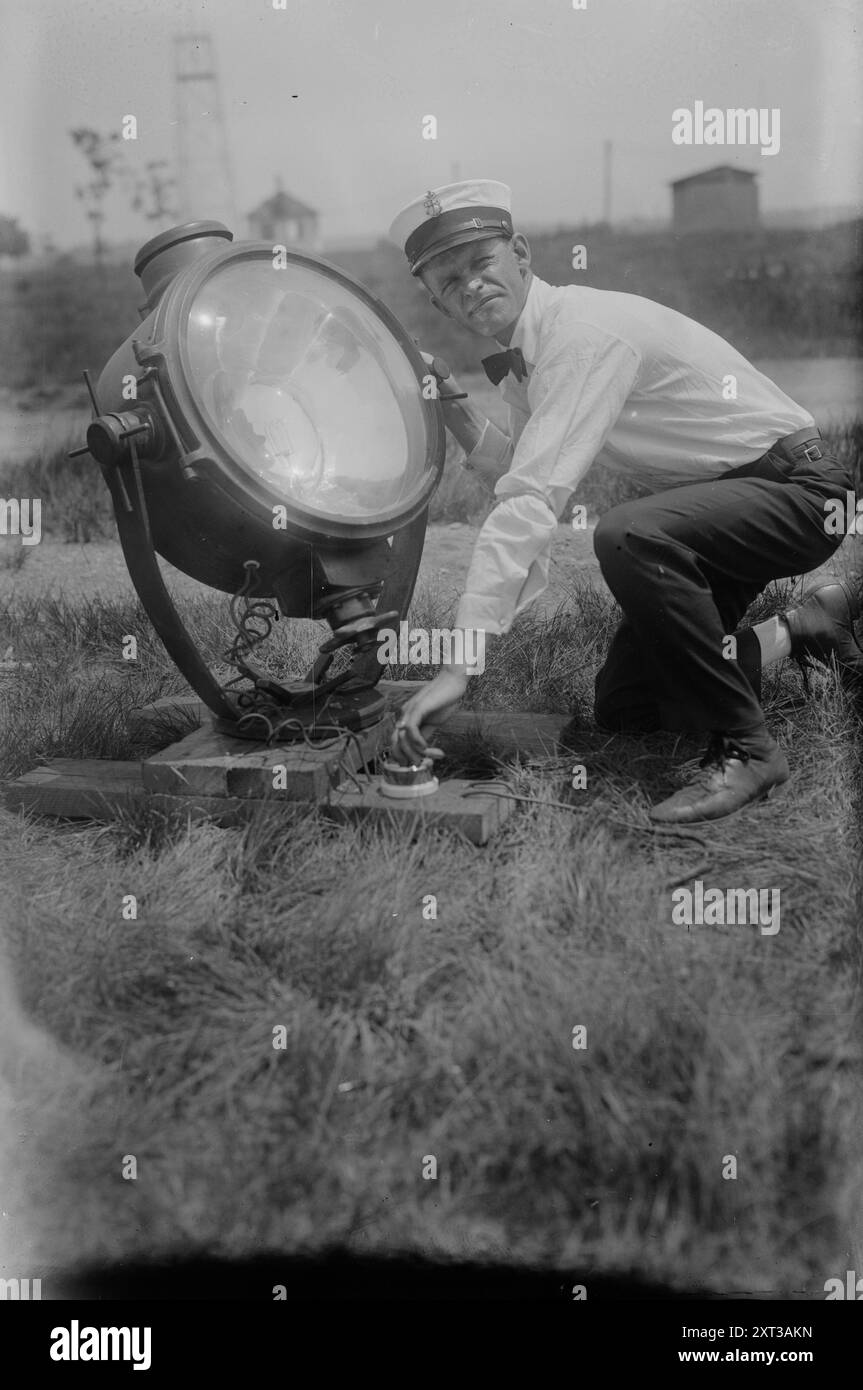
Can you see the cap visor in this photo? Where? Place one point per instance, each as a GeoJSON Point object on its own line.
{"type": "Point", "coordinates": [454, 239]}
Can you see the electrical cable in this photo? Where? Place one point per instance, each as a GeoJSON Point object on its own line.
{"type": "Point", "coordinates": [652, 831]}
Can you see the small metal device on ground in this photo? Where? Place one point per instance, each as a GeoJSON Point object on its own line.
{"type": "Point", "coordinates": [404, 782]}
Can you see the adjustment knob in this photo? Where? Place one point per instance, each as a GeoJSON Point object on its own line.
{"type": "Point", "coordinates": [108, 435]}
{"type": "Point", "coordinates": [361, 631]}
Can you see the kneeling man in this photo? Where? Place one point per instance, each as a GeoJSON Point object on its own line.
{"type": "Point", "coordinates": [739, 477]}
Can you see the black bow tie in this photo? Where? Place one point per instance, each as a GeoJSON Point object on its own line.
{"type": "Point", "coordinates": [497, 366]}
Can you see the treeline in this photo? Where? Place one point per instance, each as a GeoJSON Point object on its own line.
{"type": "Point", "coordinates": [772, 293]}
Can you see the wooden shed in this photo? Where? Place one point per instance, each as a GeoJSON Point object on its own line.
{"type": "Point", "coordinates": [719, 199]}
{"type": "Point", "coordinates": [285, 221]}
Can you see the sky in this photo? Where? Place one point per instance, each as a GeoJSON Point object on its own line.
{"type": "Point", "coordinates": [330, 96]}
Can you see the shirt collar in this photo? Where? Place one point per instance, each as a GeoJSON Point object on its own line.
{"type": "Point", "coordinates": [526, 332]}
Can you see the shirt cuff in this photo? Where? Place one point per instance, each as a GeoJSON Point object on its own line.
{"type": "Point", "coordinates": [492, 449]}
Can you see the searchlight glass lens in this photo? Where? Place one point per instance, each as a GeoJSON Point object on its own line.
{"type": "Point", "coordinates": [308, 388]}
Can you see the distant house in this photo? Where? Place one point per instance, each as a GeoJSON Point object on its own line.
{"type": "Point", "coordinates": [283, 220]}
{"type": "Point", "coordinates": [717, 199]}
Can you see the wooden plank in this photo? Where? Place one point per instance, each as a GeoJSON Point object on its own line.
{"type": "Point", "coordinates": [476, 816]}
{"type": "Point", "coordinates": [97, 788]}
{"type": "Point", "coordinates": [196, 763]}
{"type": "Point", "coordinates": [512, 732]}
{"type": "Point", "coordinates": [209, 763]}
{"type": "Point", "coordinates": [315, 769]}
{"type": "Point", "coordinates": [400, 690]}
{"type": "Point", "coordinates": [225, 811]}
{"type": "Point", "coordinates": [169, 716]}
{"type": "Point", "coordinates": [87, 788]}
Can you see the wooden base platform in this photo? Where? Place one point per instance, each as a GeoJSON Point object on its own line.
{"type": "Point", "coordinates": [212, 775]}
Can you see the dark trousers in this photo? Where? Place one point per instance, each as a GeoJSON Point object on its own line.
{"type": "Point", "coordinates": [684, 565]}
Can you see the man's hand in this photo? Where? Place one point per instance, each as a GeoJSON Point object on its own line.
{"type": "Point", "coordinates": [447, 688]}
{"type": "Point", "coordinates": [463, 420]}
{"type": "Point", "coordinates": [441, 373]}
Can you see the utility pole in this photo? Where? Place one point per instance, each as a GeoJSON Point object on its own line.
{"type": "Point", "coordinates": [606, 181]}
{"type": "Point", "coordinates": [204, 184]}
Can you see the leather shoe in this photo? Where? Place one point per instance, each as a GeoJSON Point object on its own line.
{"type": "Point", "coordinates": [823, 626]}
{"type": "Point", "coordinates": [733, 773]}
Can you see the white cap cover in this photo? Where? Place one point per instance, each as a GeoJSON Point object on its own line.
{"type": "Point", "coordinates": [448, 216]}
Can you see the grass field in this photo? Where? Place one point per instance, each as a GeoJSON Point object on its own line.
{"type": "Point", "coordinates": [452, 1037]}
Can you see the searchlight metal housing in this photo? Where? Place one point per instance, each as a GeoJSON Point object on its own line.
{"type": "Point", "coordinates": [266, 431]}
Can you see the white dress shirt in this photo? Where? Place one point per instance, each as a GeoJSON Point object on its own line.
{"type": "Point", "coordinates": [619, 379]}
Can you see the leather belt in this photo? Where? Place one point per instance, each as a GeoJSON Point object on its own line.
{"type": "Point", "coordinates": [784, 457]}
{"type": "Point", "coordinates": [802, 444]}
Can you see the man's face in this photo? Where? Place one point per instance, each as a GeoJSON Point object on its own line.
{"type": "Point", "coordinates": [482, 285]}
